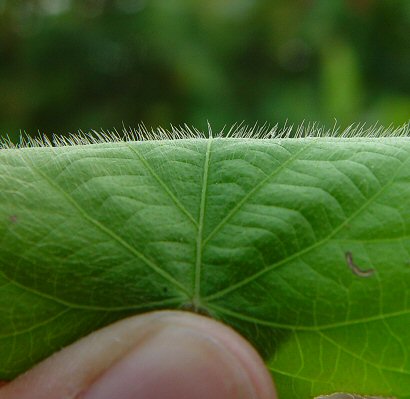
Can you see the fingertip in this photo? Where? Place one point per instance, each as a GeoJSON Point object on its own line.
{"type": "Point", "coordinates": [171, 354]}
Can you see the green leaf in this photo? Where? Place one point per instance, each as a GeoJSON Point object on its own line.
{"type": "Point", "coordinates": [266, 235]}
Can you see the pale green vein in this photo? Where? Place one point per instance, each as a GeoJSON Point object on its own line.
{"type": "Point", "coordinates": [162, 184]}
{"type": "Point", "coordinates": [109, 232]}
{"type": "Point", "coordinates": [353, 354]}
{"type": "Point", "coordinates": [336, 362]}
{"type": "Point", "coordinates": [41, 294]}
{"type": "Point", "coordinates": [302, 358]}
{"type": "Point", "coordinates": [309, 248]}
{"type": "Point", "coordinates": [199, 246]}
{"type": "Point", "coordinates": [373, 240]}
{"type": "Point", "coordinates": [257, 187]}
{"type": "Point", "coordinates": [299, 377]}
{"type": "Point", "coordinates": [319, 327]}
{"type": "Point", "coordinates": [399, 340]}
{"type": "Point", "coordinates": [35, 326]}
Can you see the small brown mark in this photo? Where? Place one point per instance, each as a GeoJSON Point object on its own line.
{"type": "Point", "coordinates": [356, 269]}
{"type": "Point", "coordinates": [13, 219]}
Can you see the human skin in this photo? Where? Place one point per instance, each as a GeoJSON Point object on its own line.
{"type": "Point", "coordinates": [166, 354]}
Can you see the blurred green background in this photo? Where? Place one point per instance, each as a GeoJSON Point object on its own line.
{"type": "Point", "coordinates": [67, 65]}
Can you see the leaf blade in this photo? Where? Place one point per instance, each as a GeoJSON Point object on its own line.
{"type": "Point", "coordinates": [267, 255]}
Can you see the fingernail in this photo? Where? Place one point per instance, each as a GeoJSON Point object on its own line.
{"type": "Point", "coordinates": [175, 363]}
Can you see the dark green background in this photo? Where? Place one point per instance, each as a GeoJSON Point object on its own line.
{"type": "Point", "coordinates": [69, 65]}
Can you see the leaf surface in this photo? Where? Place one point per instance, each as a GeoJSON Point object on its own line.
{"type": "Point", "coordinates": [254, 232]}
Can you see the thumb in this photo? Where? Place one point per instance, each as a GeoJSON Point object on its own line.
{"type": "Point", "coordinates": [157, 355]}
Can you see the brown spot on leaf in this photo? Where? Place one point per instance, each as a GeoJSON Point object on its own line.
{"type": "Point", "coordinates": [13, 219]}
{"type": "Point", "coordinates": [356, 269]}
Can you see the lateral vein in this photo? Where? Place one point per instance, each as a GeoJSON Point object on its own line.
{"type": "Point", "coordinates": [109, 232]}
{"type": "Point", "coordinates": [162, 184]}
{"type": "Point", "coordinates": [199, 244]}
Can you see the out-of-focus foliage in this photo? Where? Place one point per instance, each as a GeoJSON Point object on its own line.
{"type": "Point", "coordinates": [80, 64]}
